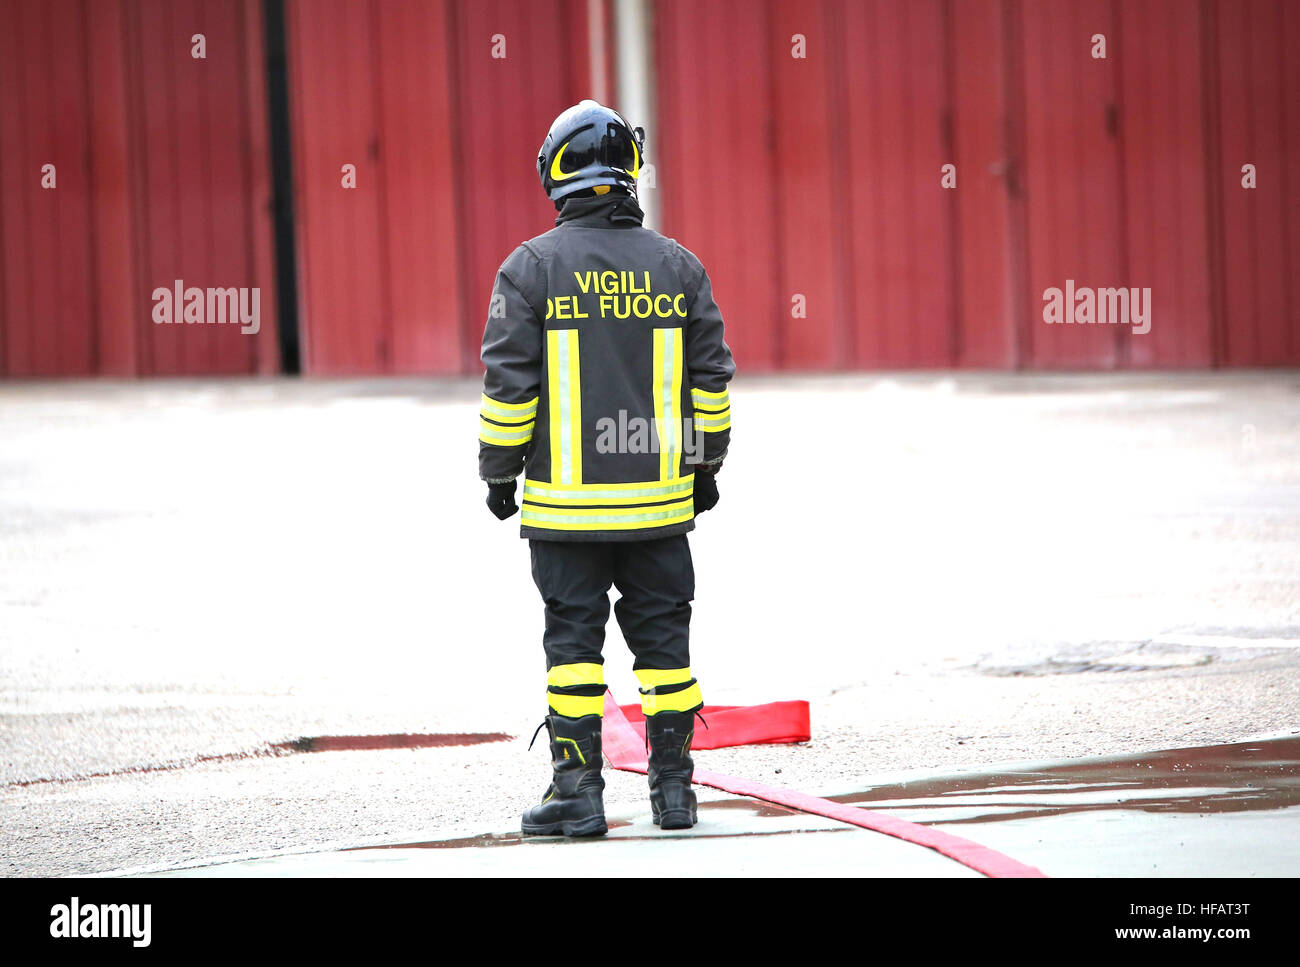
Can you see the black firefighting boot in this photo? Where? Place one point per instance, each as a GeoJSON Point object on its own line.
{"type": "Point", "coordinates": [672, 803]}
{"type": "Point", "coordinates": [574, 804]}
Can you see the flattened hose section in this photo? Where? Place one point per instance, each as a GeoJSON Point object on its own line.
{"type": "Point", "coordinates": [625, 750]}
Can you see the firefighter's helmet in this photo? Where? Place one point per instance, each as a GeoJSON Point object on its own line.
{"type": "Point", "coordinates": [590, 146]}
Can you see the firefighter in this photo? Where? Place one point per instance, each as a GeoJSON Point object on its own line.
{"type": "Point", "coordinates": [606, 388]}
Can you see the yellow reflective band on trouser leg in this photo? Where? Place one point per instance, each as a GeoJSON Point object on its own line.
{"type": "Point", "coordinates": [650, 677]}
{"type": "Point", "coordinates": [564, 384]}
{"type": "Point", "coordinates": [575, 706]}
{"type": "Point", "coordinates": [579, 673]}
{"type": "Point", "coordinates": [667, 400]}
{"type": "Point", "coordinates": [654, 701]}
{"type": "Point", "coordinates": [563, 681]}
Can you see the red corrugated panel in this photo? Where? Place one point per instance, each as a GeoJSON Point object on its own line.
{"type": "Point", "coordinates": [344, 303]}
{"type": "Point", "coordinates": [164, 249]}
{"type": "Point", "coordinates": [224, 188]}
{"type": "Point", "coordinates": [1290, 175]}
{"type": "Point", "coordinates": [986, 172]}
{"type": "Point", "coordinates": [1259, 306]}
{"type": "Point", "coordinates": [715, 170]}
{"type": "Point", "coordinates": [1162, 141]}
{"type": "Point", "coordinates": [396, 274]}
{"type": "Point", "coordinates": [48, 277]}
{"type": "Point", "coordinates": [16, 181]}
{"type": "Point", "coordinates": [257, 172]}
{"type": "Point", "coordinates": [808, 207]}
{"type": "Point", "coordinates": [195, 217]}
{"type": "Point", "coordinates": [901, 218]}
{"type": "Point", "coordinates": [1072, 172]}
{"type": "Point", "coordinates": [419, 187]}
{"type": "Point", "coordinates": [504, 106]}
{"type": "Point", "coordinates": [121, 311]}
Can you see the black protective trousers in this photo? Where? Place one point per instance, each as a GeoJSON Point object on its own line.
{"type": "Point", "coordinates": [655, 578]}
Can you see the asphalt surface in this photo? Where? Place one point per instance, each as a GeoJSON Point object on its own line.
{"type": "Point", "coordinates": [953, 570]}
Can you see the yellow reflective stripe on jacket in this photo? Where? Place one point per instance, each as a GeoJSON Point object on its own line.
{"type": "Point", "coordinates": [576, 706]}
{"type": "Point", "coordinates": [609, 493]}
{"type": "Point", "coordinates": [504, 436]}
{"type": "Point", "coordinates": [709, 400]}
{"type": "Point", "coordinates": [607, 518]}
{"type": "Point", "coordinates": [508, 412]}
{"type": "Point", "coordinates": [654, 677]}
{"type": "Point", "coordinates": [683, 701]}
{"type": "Point", "coordinates": [712, 410]}
{"type": "Point", "coordinates": [578, 673]}
{"type": "Point", "coordinates": [564, 382]}
{"type": "Point", "coordinates": [708, 422]}
{"type": "Point", "coordinates": [667, 399]}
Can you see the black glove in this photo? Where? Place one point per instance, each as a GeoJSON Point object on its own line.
{"type": "Point", "coordinates": [706, 491]}
{"type": "Point", "coordinates": [501, 499]}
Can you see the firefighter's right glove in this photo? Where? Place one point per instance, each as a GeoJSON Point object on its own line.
{"type": "Point", "coordinates": [706, 491]}
{"type": "Point", "coordinates": [501, 499]}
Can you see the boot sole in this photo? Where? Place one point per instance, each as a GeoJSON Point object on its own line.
{"type": "Point", "coordinates": [593, 826]}
{"type": "Point", "coordinates": [674, 819]}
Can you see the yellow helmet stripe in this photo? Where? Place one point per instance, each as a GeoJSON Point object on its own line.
{"type": "Point", "coordinates": [556, 173]}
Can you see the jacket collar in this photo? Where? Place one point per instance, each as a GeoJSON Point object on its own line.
{"type": "Point", "coordinates": [601, 211]}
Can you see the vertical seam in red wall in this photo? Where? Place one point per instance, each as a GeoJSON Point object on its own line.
{"type": "Point", "coordinates": [1121, 334]}
{"type": "Point", "coordinates": [27, 208]}
{"type": "Point", "coordinates": [1252, 209]}
{"type": "Point", "coordinates": [173, 147]}
{"type": "Point", "coordinates": [956, 320]}
{"type": "Point", "coordinates": [92, 240]}
{"type": "Point", "coordinates": [211, 358]}
{"type": "Point", "coordinates": [57, 270]}
{"type": "Point", "coordinates": [460, 204]}
{"type": "Point", "coordinates": [246, 175]}
{"type": "Point", "coordinates": [838, 199]}
{"type": "Point", "coordinates": [137, 204]}
{"type": "Point", "coordinates": [1289, 331]}
{"type": "Point", "coordinates": [1015, 151]}
{"type": "Point", "coordinates": [381, 193]}
{"type": "Point", "coordinates": [1213, 198]}
{"type": "Point", "coordinates": [26, 216]}
{"type": "Point", "coordinates": [781, 307]}
{"type": "Point", "coordinates": [5, 268]}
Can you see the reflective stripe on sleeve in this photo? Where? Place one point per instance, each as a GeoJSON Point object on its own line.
{"type": "Point", "coordinates": [508, 412]}
{"type": "Point", "coordinates": [504, 436]}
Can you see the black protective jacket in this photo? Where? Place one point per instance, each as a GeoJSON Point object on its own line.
{"type": "Point", "coordinates": [606, 377]}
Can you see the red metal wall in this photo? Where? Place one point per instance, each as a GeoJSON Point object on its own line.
{"type": "Point", "coordinates": [47, 235]}
{"type": "Point", "coordinates": [1073, 204]}
{"type": "Point", "coordinates": [161, 166]}
{"type": "Point", "coordinates": [812, 181]}
{"type": "Point", "coordinates": [395, 274]}
{"type": "Point", "coordinates": [1256, 104]}
{"type": "Point", "coordinates": [1115, 171]}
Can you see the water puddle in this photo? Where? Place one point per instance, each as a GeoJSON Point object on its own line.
{"type": "Point", "coordinates": [1209, 779]}
{"type": "Point", "coordinates": [1224, 810]}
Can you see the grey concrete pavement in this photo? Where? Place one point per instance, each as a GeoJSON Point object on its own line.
{"type": "Point", "coordinates": [952, 569]}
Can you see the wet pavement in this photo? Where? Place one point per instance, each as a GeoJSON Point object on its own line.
{"type": "Point", "coordinates": [1227, 811]}
{"type": "Point", "coordinates": [224, 602]}
{"type": "Point", "coordinates": [734, 837]}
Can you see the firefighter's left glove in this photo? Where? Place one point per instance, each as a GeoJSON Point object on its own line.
{"type": "Point", "coordinates": [706, 491]}
{"type": "Point", "coordinates": [501, 499]}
